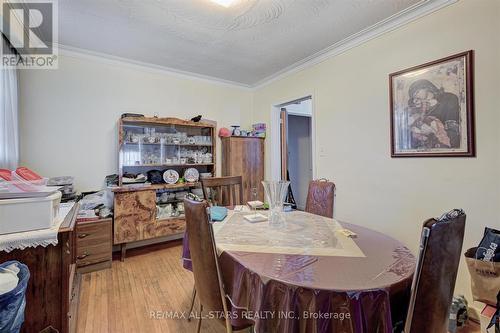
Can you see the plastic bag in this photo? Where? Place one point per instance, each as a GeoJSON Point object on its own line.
{"type": "Point", "coordinates": [98, 199]}
{"type": "Point", "coordinates": [489, 248]}
{"type": "Point", "coordinates": [12, 303]}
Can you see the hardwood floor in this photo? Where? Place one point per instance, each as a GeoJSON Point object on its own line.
{"type": "Point", "coordinates": [122, 299]}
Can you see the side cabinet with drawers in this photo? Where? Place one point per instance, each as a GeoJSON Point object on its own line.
{"type": "Point", "coordinates": [54, 286]}
{"type": "Point", "coordinates": [94, 245]}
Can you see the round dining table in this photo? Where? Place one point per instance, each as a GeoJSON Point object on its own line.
{"type": "Point", "coordinates": [312, 274]}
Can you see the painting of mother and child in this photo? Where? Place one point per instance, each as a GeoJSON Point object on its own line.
{"type": "Point", "coordinates": [432, 109]}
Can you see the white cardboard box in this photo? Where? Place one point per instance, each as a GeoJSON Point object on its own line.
{"type": "Point", "coordinates": [19, 215]}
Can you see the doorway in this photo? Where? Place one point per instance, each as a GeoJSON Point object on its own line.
{"type": "Point", "coordinates": [296, 148]}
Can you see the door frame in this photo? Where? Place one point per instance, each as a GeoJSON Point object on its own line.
{"type": "Point", "coordinates": [275, 136]}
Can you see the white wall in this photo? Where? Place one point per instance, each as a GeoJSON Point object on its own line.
{"type": "Point", "coordinates": [69, 116]}
{"type": "Point", "coordinates": [351, 110]}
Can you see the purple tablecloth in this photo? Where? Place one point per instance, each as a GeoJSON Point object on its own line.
{"type": "Point", "coordinates": [297, 293]}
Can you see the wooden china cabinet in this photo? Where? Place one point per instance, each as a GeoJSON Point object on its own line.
{"type": "Point", "coordinates": [143, 212]}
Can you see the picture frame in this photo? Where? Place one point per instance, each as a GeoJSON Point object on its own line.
{"type": "Point", "coordinates": [432, 108]}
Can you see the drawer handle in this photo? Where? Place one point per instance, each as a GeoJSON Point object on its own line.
{"type": "Point", "coordinates": [82, 235]}
{"type": "Point", "coordinates": [83, 256]}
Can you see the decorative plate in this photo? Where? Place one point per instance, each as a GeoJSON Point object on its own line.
{"type": "Point", "coordinates": [170, 176]}
{"type": "Point", "coordinates": [191, 175]}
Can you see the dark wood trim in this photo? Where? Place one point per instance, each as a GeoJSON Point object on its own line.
{"type": "Point", "coordinates": [469, 82]}
{"type": "Point", "coordinates": [69, 222]}
{"type": "Point", "coordinates": [284, 142]}
{"type": "Point", "coordinates": [165, 121]}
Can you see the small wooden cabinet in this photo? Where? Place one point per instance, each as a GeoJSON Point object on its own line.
{"type": "Point", "coordinates": [53, 289]}
{"type": "Point", "coordinates": [135, 217]}
{"type": "Point", "coordinates": [245, 156]}
{"type": "Point", "coordinates": [94, 245]}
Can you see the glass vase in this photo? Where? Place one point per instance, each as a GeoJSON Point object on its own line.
{"type": "Point", "coordinates": [276, 192]}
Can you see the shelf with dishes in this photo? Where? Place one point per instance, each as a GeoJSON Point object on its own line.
{"type": "Point", "coordinates": [170, 204]}
{"type": "Point", "coordinates": [161, 165]}
{"type": "Point", "coordinates": [166, 157]}
{"type": "Point", "coordinates": [164, 180]}
{"type": "Point", "coordinates": [170, 135]}
{"type": "Point", "coordinates": [169, 144]}
{"type": "Point", "coordinates": [174, 186]}
{"type": "Point", "coordinates": [149, 186]}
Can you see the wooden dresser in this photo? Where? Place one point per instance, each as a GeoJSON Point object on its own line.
{"type": "Point", "coordinates": [54, 286]}
{"type": "Point", "coordinates": [244, 156]}
{"type": "Point", "coordinates": [94, 243]}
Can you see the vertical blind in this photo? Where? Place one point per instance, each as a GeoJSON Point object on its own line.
{"type": "Point", "coordinates": [9, 130]}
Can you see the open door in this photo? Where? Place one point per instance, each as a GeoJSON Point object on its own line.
{"type": "Point", "coordinates": [292, 147]}
{"type": "Point", "coordinates": [284, 155]}
{"type": "Point", "coordinates": [284, 146]}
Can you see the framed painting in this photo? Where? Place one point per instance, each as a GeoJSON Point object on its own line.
{"type": "Point", "coordinates": [432, 109]}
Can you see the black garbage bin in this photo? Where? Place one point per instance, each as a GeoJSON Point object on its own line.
{"type": "Point", "coordinates": [12, 303]}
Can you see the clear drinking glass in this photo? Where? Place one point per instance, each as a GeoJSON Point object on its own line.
{"type": "Point", "coordinates": [254, 198]}
{"type": "Point", "coordinates": [276, 192]}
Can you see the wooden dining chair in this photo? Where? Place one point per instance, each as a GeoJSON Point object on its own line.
{"type": "Point", "coordinates": [435, 274]}
{"type": "Point", "coordinates": [220, 191]}
{"type": "Point", "coordinates": [206, 270]}
{"type": "Point", "coordinates": [320, 197]}
{"type": "Point", "coordinates": [223, 191]}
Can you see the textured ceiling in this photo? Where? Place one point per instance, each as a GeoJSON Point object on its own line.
{"type": "Point", "coordinates": [245, 43]}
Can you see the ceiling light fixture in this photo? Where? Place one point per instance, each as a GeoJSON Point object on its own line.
{"type": "Point", "coordinates": [223, 3]}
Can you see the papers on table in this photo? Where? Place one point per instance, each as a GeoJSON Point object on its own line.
{"type": "Point", "coordinates": [253, 218]}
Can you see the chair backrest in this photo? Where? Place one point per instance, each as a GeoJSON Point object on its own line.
{"type": "Point", "coordinates": [223, 191]}
{"type": "Point", "coordinates": [320, 198]}
{"type": "Point", "coordinates": [436, 272]}
{"type": "Point", "coordinates": [207, 277]}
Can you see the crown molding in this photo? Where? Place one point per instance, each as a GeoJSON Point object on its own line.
{"type": "Point", "coordinates": [393, 22]}
{"type": "Point", "coordinates": [387, 25]}
{"type": "Point", "coordinates": [75, 52]}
